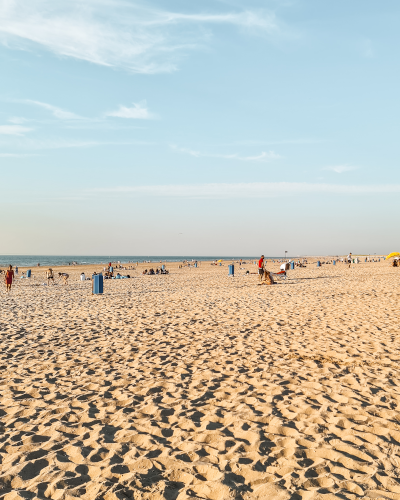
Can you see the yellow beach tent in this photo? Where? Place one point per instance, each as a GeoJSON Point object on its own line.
{"type": "Point", "coordinates": [393, 254]}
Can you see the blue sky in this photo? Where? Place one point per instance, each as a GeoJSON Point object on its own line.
{"type": "Point", "coordinates": [200, 128]}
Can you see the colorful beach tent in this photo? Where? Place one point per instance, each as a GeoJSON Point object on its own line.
{"type": "Point", "coordinates": [393, 254]}
{"type": "Point", "coordinates": [220, 260]}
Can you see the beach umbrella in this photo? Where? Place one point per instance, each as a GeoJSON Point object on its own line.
{"type": "Point", "coordinates": [220, 260]}
{"type": "Point", "coordinates": [393, 254]}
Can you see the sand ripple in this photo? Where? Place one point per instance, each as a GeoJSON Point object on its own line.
{"type": "Point", "coordinates": [195, 385]}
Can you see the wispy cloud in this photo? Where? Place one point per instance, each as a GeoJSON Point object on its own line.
{"type": "Point", "coordinates": [138, 111]}
{"type": "Point", "coordinates": [262, 157]}
{"type": "Point", "coordinates": [17, 120]}
{"type": "Point", "coordinates": [248, 190]}
{"type": "Point", "coordinates": [14, 130]}
{"type": "Point", "coordinates": [117, 33]}
{"type": "Point", "coordinates": [253, 142]}
{"type": "Point", "coordinates": [340, 169]}
{"type": "Point", "coordinates": [59, 113]}
{"type": "Point", "coordinates": [35, 145]}
{"type": "Point", "coordinates": [245, 19]}
{"type": "Point", "coordinates": [15, 155]}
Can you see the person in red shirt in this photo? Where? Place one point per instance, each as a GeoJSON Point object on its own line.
{"type": "Point", "coordinates": [9, 278]}
{"type": "Point", "coordinates": [261, 267]}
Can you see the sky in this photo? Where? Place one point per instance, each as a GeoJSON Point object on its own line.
{"type": "Point", "coordinates": [199, 128]}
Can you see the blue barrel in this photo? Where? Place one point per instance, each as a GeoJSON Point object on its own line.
{"type": "Point", "coordinates": [111, 269]}
{"type": "Point", "coordinates": [97, 284]}
{"type": "Point", "coordinates": [231, 270]}
{"type": "Point", "coordinates": [365, 259]}
{"type": "Point", "coordinates": [318, 263]}
{"type": "Point", "coordinates": [292, 265]}
{"type": "Point", "coordinates": [195, 264]}
{"type": "Point", "coordinates": [28, 273]}
{"type": "Point", "coordinates": [163, 267]}
{"type": "Point", "coordinates": [334, 262]}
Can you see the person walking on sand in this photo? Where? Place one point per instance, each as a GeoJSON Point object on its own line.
{"type": "Point", "coordinates": [261, 267]}
{"type": "Point", "coordinates": [9, 278]}
{"type": "Point", "coordinates": [349, 258]}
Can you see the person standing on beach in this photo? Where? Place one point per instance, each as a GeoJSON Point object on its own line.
{"type": "Point", "coordinates": [261, 267]}
{"type": "Point", "coordinates": [50, 276]}
{"type": "Point", "coordinates": [9, 278]}
{"type": "Point", "coordinates": [349, 258]}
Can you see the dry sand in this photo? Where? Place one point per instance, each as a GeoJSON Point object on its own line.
{"type": "Point", "coordinates": [197, 385]}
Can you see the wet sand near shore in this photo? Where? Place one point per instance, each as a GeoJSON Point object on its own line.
{"type": "Point", "coordinates": [199, 385]}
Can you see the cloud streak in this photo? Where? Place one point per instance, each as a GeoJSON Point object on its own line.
{"type": "Point", "coordinates": [59, 113]}
{"type": "Point", "coordinates": [138, 111]}
{"type": "Point", "coordinates": [248, 190]}
{"type": "Point", "coordinates": [340, 169]}
{"type": "Point", "coordinates": [15, 155]}
{"type": "Point", "coordinates": [262, 157]}
{"type": "Point", "coordinates": [115, 33]}
{"type": "Point", "coordinates": [14, 130]}
{"type": "Point", "coordinates": [35, 145]}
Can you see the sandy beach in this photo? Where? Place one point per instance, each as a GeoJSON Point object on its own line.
{"type": "Point", "coordinates": [199, 385]}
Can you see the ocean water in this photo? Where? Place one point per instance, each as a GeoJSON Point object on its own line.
{"type": "Point", "coordinates": [62, 260]}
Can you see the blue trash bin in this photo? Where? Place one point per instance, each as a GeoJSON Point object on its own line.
{"type": "Point", "coordinates": [163, 267]}
{"type": "Point", "coordinates": [292, 265]}
{"type": "Point", "coordinates": [195, 264]}
{"type": "Point", "coordinates": [28, 273]}
{"type": "Point", "coordinates": [97, 284]}
{"type": "Point", "coordinates": [318, 263]}
{"type": "Point", "coordinates": [334, 262]}
{"type": "Point", "coordinates": [111, 269]}
{"type": "Point", "coordinates": [231, 270]}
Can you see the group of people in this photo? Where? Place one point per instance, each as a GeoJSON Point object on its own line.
{"type": "Point", "coordinates": [157, 271]}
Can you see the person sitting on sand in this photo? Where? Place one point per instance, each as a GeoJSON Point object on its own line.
{"type": "Point", "coordinates": [9, 278]}
{"type": "Point", "coordinates": [50, 275]}
{"type": "Point", "coordinates": [145, 271]}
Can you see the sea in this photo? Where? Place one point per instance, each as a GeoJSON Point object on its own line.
{"type": "Point", "coordinates": [65, 260]}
